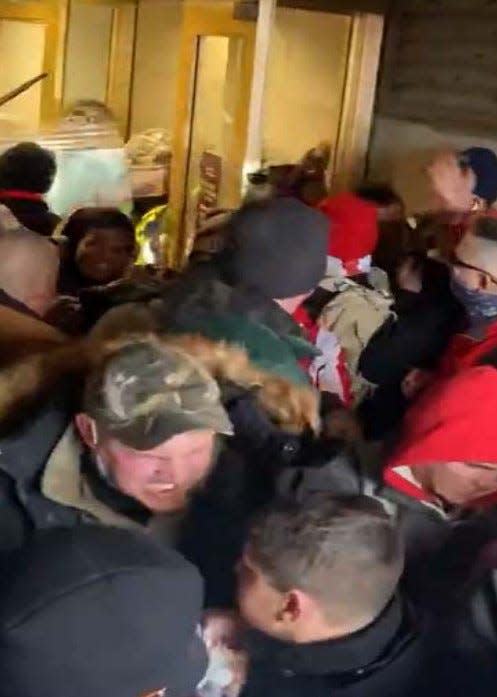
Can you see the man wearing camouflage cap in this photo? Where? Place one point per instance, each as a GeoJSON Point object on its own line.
{"type": "Point", "coordinates": [144, 439]}
{"type": "Point", "coordinates": [150, 417]}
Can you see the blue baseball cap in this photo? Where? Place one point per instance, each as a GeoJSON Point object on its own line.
{"type": "Point", "coordinates": [483, 162]}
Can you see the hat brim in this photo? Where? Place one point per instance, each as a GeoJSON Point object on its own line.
{"type": "Point", "coordinates": [148, 433]}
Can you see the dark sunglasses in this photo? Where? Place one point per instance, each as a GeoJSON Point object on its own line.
{"type": "Point", "coordinates": [454, 260]}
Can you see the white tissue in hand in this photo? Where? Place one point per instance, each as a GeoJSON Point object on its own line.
{"type": "Point", "coordinates": [218, 676]}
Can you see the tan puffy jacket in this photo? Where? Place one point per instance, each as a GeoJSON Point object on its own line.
{"type": "Point", "coordinates": [354, 315]}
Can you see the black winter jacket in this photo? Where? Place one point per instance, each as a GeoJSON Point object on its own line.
{"type": "Point", "coordinates": [23, 454]}
{"type": "Point", "coordinates": [377, 661]}
{"type": "Point", "coordinates": [246, 477]}
{"type": "Point", "coordinates": [396, 656]}
{"type": "Point", "coordinates": [415, 338]}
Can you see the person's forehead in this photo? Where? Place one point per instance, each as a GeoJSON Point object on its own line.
{"type": "Point", "coordinates": [184, 440]}
{"type": "Point", "coordinates": [446, 155]}
{"type": "Point", "coordinates": [108, 234]}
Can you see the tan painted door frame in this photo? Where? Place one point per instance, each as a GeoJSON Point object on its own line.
{"type": "Point", "coordinates": [203, 18]}
{"type": "Point", "coordinates": [348, 164]}
{"type": "Point", "coordinates": [45, 13]}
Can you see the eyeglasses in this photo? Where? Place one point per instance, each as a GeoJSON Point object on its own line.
{"type": "Point", "coordinates": [455, 261]}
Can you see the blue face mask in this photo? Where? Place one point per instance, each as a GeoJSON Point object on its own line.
{"type": "Point", "coordinates": [479, 305]}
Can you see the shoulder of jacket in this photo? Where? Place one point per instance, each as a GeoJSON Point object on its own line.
{"type": "Point", "coordinates": [359, 297]}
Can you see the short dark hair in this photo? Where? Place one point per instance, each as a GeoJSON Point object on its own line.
{"type": "Point", "coordinates": [85, 219]}
{"type": "Point", "coordinates": [27, 167]}
{"type": "Point", "coordinates": [383, 195]}
{"type": "Point", "coordinates": [346, 552]}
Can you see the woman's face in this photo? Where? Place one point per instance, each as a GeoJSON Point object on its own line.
{"type": "Point", "coordinates": [105, 254]}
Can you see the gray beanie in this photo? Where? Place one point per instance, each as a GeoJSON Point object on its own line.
{"type": "Point", "coordinates": [279, 247]}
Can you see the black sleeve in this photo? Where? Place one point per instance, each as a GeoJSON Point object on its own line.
{"type": "Point", "coordinates": [415, 340]}
{"type": "Point", "coordinates": [385, 360]}
{"type": "Point", "coordinates": [14, 523]}
{"type": "Point", "coordinates": [381, 413]}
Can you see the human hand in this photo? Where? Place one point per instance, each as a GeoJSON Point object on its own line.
{"type": "Point", "coordinates": [142, 274]}
{"type": "Point", "coordinates": [222, 628]}
{"type": "Point", "coordinates": [342, 424]}
{"type": "Point", "coordinates": [451, 184]}
{"type": "Point", "coordinates": [227, 671]}
{"type": "Point", "coordinates": [66, 314]}
{"type": "Point", "coordinates": [238, 664]}
{"type": "Point", "coordinates": [414, 382]}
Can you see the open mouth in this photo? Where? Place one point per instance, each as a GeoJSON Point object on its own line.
{"type": "Point", "coordinates": [162, 488]}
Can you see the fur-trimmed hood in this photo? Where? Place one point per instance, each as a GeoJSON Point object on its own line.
{"type": "Point", "coordinates": [27, 382]}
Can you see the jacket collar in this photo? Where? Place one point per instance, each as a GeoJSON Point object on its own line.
{"type": "Point", "coordinates": [104, 492]}
{"type": "Point", "coordinates": [63, 483]}
{"type": "Point", "coordinates": [348, 658]}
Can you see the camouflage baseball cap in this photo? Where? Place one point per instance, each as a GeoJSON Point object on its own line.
{"type": "Point", "coordinates": [148, 392]}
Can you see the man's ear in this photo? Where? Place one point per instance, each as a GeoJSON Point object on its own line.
{"type": "Point", "coordinates": [87, 430]}
{"type": "Point", "coordinates": [292, 607]}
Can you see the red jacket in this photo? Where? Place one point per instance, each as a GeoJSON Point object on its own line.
{"type": "Point", "coordinates": [465, 351]}
{"type": "Point", "coordinates": [455, 420]}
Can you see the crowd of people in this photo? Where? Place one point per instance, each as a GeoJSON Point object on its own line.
{"type": "Point", "coordinates": [271, 473]}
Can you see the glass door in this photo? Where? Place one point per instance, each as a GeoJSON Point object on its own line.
{"type": "Point", "coordinates": [98, 55]}
{"type": "Point", "coordinates": [32, 26]}
{"type": "Point", "coordinates": [215, 78]}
